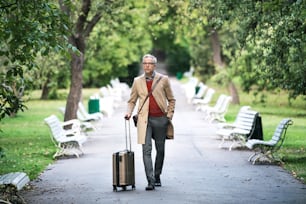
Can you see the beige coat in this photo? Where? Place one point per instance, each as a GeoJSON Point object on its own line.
{"type": "Point", "coordinates": [163, 96]}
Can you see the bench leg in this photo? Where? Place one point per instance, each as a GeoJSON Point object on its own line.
{"type": "Point", "coordinates": [258, 156]}
{"type": "Point", "coordinates": [232, 145]}
{"type": "Point", "coordinates": [222, 142]}
{"type": "Point", "coordinates": [63, 152]}
{"type": "Point", "coordinates": [252, 156]}
{"type": "Point", "coordinates": [269, 155]}
{"type": "Point", "coordinates": [238, 140]}
{"type": "Point", "coordinates": [255, 157]}
{"type": "Point", "coordinates": [68, 149]}
{"type": "Point", "coordinates": [217, 117]}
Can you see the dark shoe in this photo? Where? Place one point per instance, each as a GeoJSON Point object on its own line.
{"type": "Point", "coordinates": [157, 182]}
{"type": "Point", "coordinates": [150, 187]}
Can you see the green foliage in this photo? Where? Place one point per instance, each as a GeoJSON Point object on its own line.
{"type": "Point", "coordinates": [11, 91]}
{"type": "Point", "coordinates": [115, 44]}
{"type": "Point", "coordinates": [178, 59]}
{"type": "Point", "coordinates": [29, 27]}
{"type": "Point", "coordinates": [133, 70]}
{"type": "Point", "coordinates": [2, 154]}
{"type": "Point", "coordinates": [53, 74]}
{"type": "Point", "coordinates": [262, 41]}
{"type": "Point", "coordinates": [273, 33]}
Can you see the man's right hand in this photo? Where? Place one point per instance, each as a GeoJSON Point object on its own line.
{"type": "Point", "coordinates": [127, 116]}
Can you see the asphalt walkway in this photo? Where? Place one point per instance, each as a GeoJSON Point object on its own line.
{"type": "Point", "coordinates": [195, 170]}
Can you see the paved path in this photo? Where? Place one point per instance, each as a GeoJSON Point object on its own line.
{"type": "Point", "coordinates": [195, 170]}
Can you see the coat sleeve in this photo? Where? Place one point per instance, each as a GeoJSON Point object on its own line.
{"type": "Point", "coordinates": [170, 98]}
{"type": "Point", "coordinates": [133, 98]}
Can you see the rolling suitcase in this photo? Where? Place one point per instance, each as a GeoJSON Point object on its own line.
{"type": "Point", "coordinates": [123, 164]}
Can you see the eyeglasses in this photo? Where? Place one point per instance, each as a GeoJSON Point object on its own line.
{"type": "Point", "coordinates": [148, 63]}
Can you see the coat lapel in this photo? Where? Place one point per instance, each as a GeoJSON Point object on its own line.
{"type": "Point", "coordinates": [155, 78]}
{"type": "Point", "coordinates": [143, 84]}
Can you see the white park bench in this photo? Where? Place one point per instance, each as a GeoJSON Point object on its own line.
{"type": "Point", "coordinates": [189, 88]}
{"type": "Point", "coordinates": [241, 130]}
{"type": "Point", "coordinates": [217, 105]}
{"type": "Point", "coordinates": [10, 184]}
{"type": "Point", "coordinates": [202, 103]}
{"type": "Point", "coordinates": [84, 116]}
{"type": "Point", "coordinates": [266, 149]}
{"type": "Point", "coordinates": [68, 141]}
{"type": "Point", "coordinates": [218, 111]}
{"type": "Point", "coordinates": [201, 91]}
{"type": "Point", "coordinates": [86, 124]}
{"type": "Point", "coordinates": [218, 114]}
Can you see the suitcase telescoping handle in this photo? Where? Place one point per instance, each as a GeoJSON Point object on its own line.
{"type": "Point", "coordinates": [128, 134]}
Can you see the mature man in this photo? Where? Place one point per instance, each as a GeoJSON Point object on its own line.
{"type": "Point", "coordinates": [154, 116]}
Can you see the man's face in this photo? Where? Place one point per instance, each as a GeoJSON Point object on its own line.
{"type": "Point", "coordinates": [148, 66]}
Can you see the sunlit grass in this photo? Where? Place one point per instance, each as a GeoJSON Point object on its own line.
{"type": "Point", "coordinates": [26, 140]}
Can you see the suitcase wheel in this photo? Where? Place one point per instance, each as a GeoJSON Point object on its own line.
{"type": "Point", "coordinates": [123, 188]}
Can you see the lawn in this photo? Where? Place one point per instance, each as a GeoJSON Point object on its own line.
{"type": "Point", "coordinates": [28, 147]}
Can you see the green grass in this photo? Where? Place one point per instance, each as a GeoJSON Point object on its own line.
{"type": "Point", "coordinates": [28, 147]}
{"type": "Point", "coordinates": [26, 140]}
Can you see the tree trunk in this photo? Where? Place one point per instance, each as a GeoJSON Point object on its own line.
{"type": "Point", "coordinates": [45, 88]}
{"type": "Point", "coordinates": [234, 93]}
{"type": "Point", "coordinates": [77, 62]}
{"type": "Point", "coordinates": [217, 50]}
{"type": "Point", "coordinates": [217, 57]}
{"type": "Point", "coordinates": [83, 27]}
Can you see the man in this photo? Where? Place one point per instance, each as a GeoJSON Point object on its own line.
{"type": "Point", "coordinates": [154, 116]}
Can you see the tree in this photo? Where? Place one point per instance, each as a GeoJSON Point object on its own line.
{"type": "Point", "coordinates": [53, 74]}
{"type": "Point", "coordinates": [26, 29]}
{"type": "Point", "coordinates": [271, 44]}
{"type": "Point", "coordinates": [112, 47]}
{"type": "Point", "coordinates": [84, 17]}
{"type": "Point", "coordinates": [207, 20]}
{"type": "Point", "coordinates": [162, 24]}
{"type": "Point", "coordinates": [273, 32]}
{"type": "Point", "coordinates": [262, 42]}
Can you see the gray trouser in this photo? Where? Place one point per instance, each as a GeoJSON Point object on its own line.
{"type": "Point", "coordinates": [157, 130]}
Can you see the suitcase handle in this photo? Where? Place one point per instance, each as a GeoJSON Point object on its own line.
{"type": "Point", "coordinates": [128, 134]}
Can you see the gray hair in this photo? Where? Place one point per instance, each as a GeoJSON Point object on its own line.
{"type": "Point", "coordinates": [150, 56]}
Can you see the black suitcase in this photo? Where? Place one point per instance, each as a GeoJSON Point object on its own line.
{"type": "Point", "coordinates": [123, 165]}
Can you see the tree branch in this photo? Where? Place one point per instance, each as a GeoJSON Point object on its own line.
{"type": "Point", "coordinates": [92, 24]}
{"type": "Point", "coordinates": [83, 16]}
